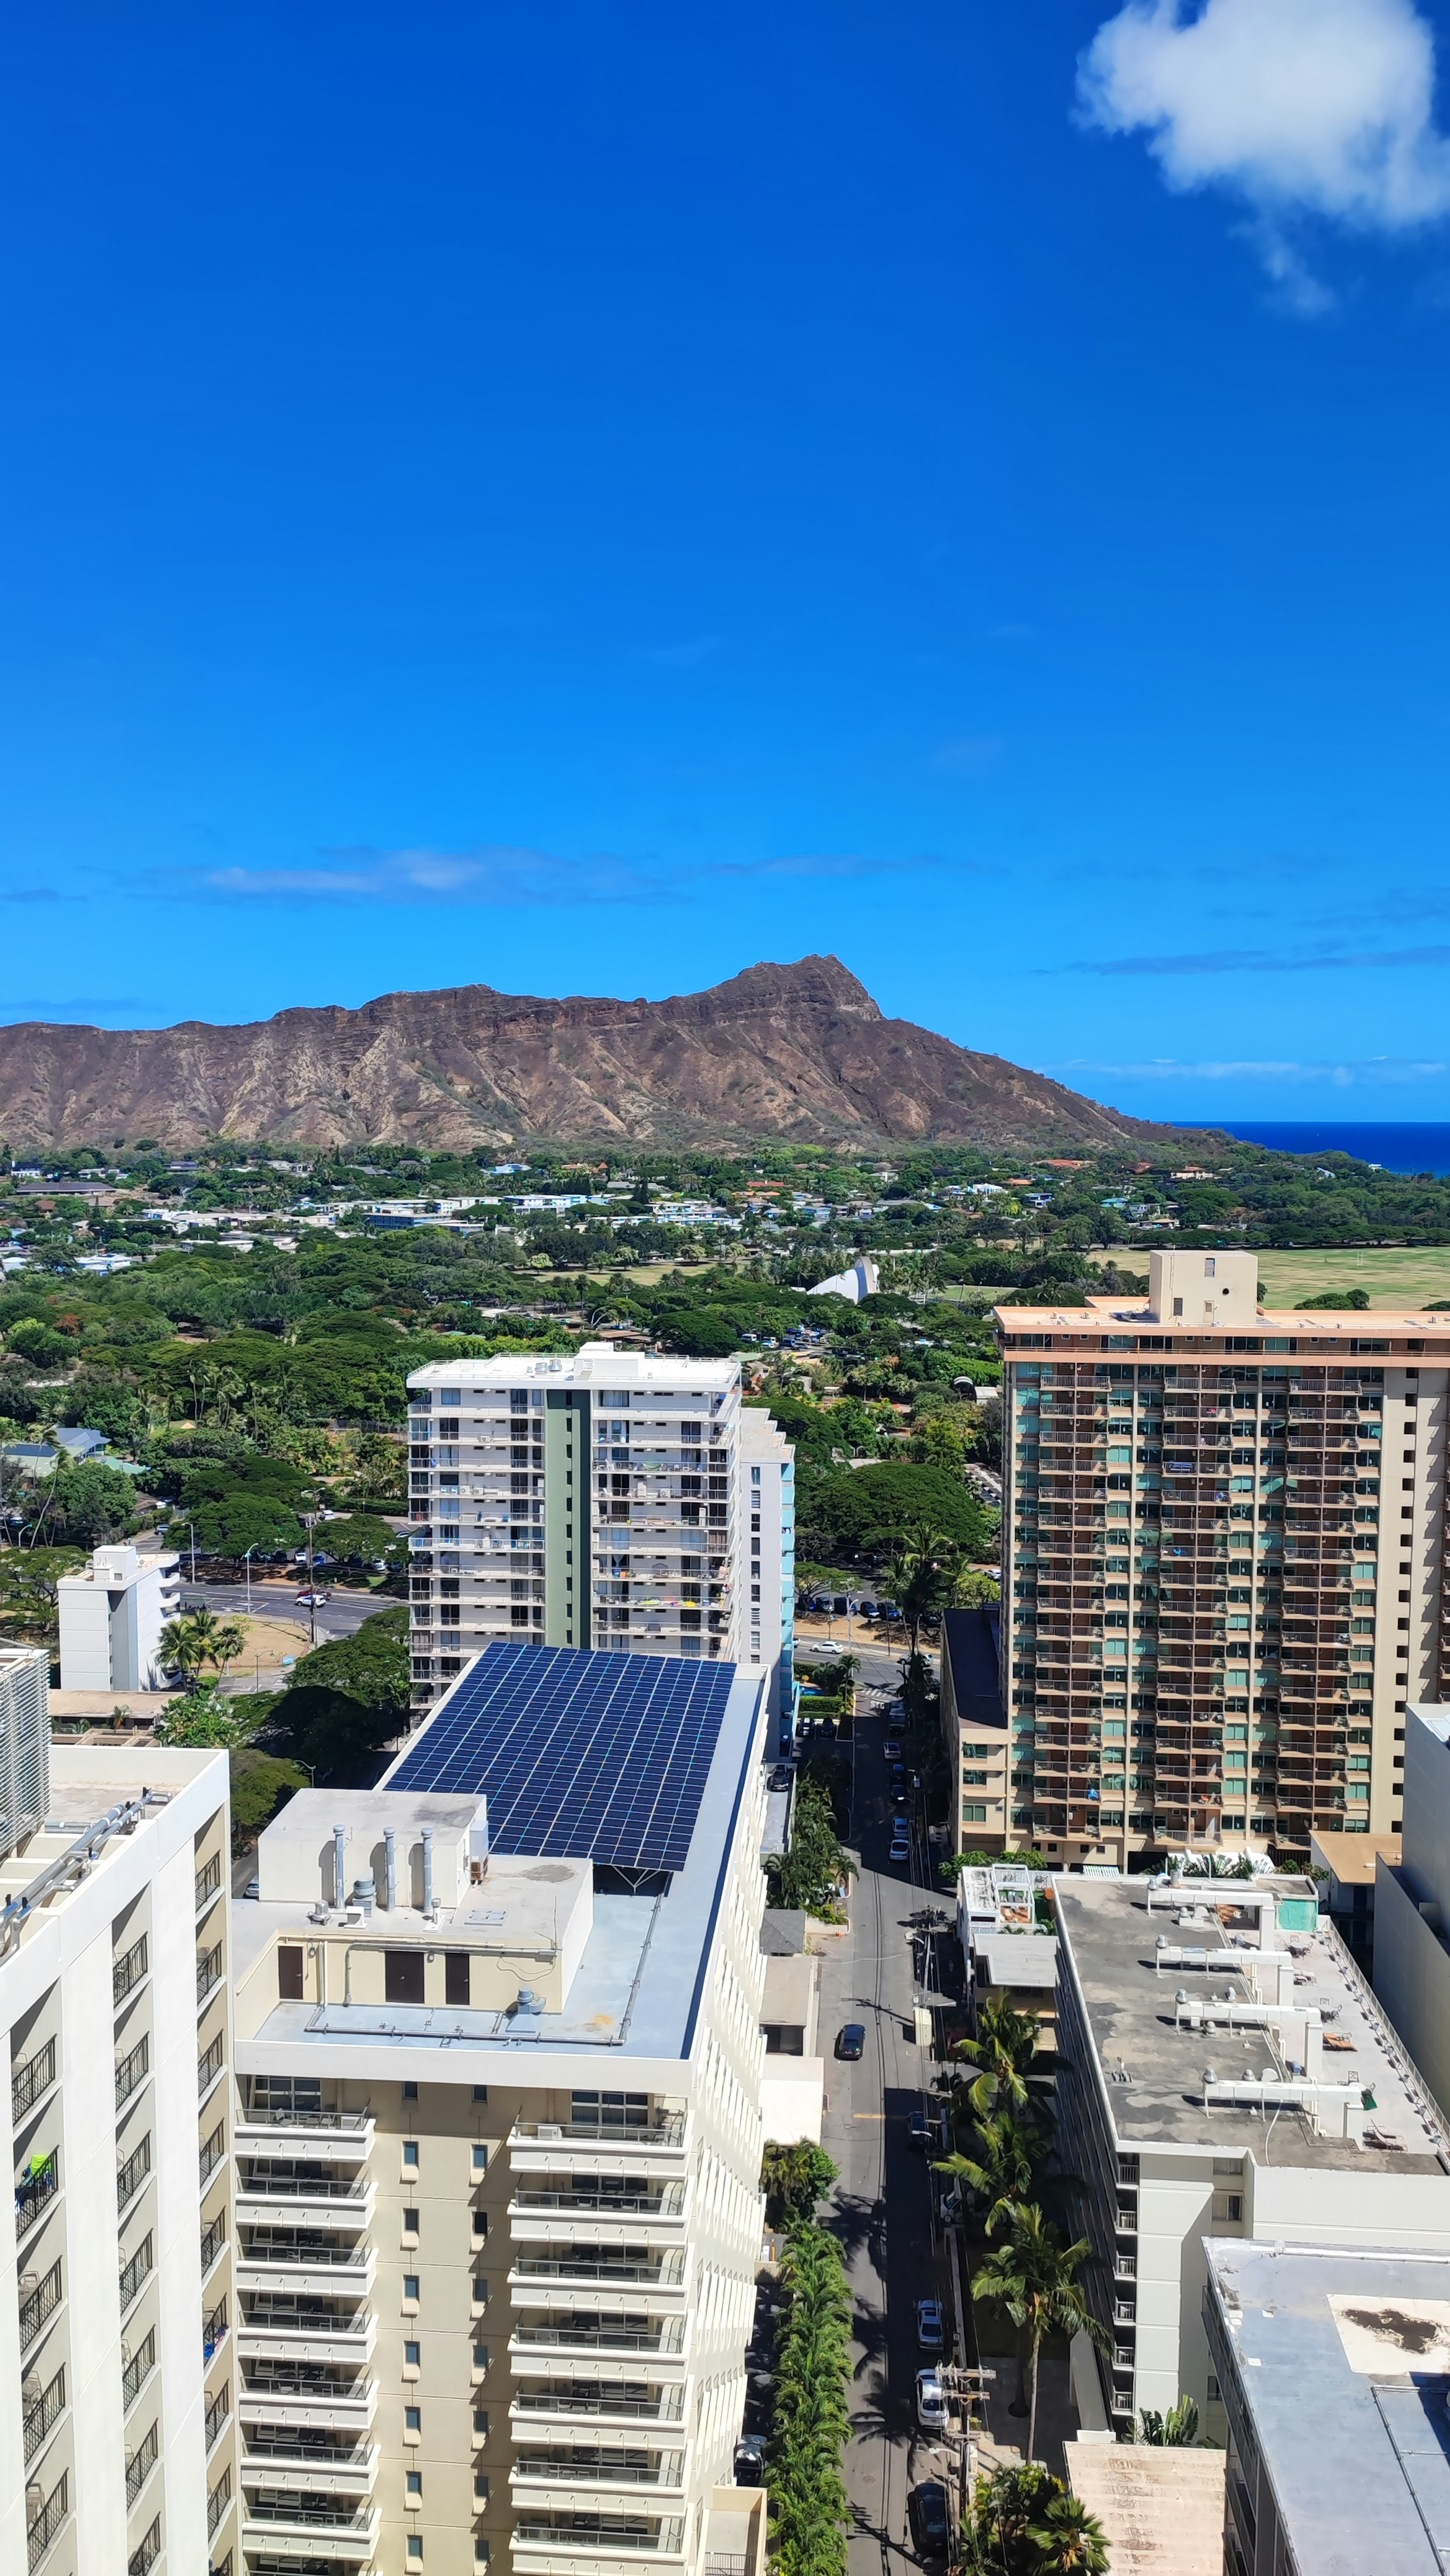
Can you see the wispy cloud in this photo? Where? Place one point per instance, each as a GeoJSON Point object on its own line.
{"type": "Point", "coordinates": [505, 877]}
{"type": "Point", "coordinates": [44, 1006]}
{"type": "Point", "coordinates": [1296, 107]}
{"type": "Point", "coordinates": [1369, 1072]}
{"type": "Point", "coordinates": [36, 894]}
{"type": "Point", "coordinates": [1251, 961]}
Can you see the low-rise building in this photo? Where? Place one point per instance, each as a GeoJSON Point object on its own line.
{"type": "Point", "coordinates": [1332, 2362]}
{"type": "Point", "coordinates": [1225, 2070]}
{"type": "Point", "coordinates": [792, 2091]}
{"type": "Point", "coordinates": [1350, 1863]}
{"type": "Point", "coordinates": [1412, 1902]}
{"type": "Point", "coordinates": [767, 1509]}
{"type": "Point", "coordinates": [112, 1614]}
{"type": "Point", "coordinates": [499, 2141]}
{"type": "Point", "coordinates": [118, 2365]}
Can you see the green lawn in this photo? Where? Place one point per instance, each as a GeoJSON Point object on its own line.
{"type": "Point", "coordinates": [1410, 1276]}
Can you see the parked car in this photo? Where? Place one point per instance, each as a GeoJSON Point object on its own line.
{"type": "Point", "coordinates": [892, 1750]}
{"type": "Point", "coordinates": [900, 1848]}
{"type": "Point", "coordinates": [254, 1887]}
{"type": "Point", "coordinates": [931, 2402]}
{"type": "Point", "coordinates": [931, 2328]}
{"type": "Point", "coordinates": [750, 2460]}
{"type": "Point", "coordinates": [780, 1776]}
{"type": "Point", "coordinates": [851, 2039]}
{"type": "Point", "coordinates": [312, 1600]}
{"type": "Point", "coordinates": [920, 2130]}
{"type": "Point", "coordinates": [930, 2521]}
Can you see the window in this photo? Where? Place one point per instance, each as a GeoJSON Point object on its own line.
{"type": "Point", "coordinates": [480, 2092]}
{"type": "Point", "coordinates": [974, 1814]}
{"type": "Point", "coordinates": [415, 2483]}
{"type": "Point", "coordinates": [480, 2490]}
{"type": "Point", "coordinates": [412, 2419]}
{"type": "Point", "coordinates": [410, 2151]}
{"type": "Point", "coordinates": [410, 2286]}
{"type": "Point", "coordinates": [480, 2160]}
{"type": "Point", "coordinates": [415, 2547]}
{"type": "Point", "coordinates": [412, 2356]}
{"type": "Point", "coordinates": [410, 2092]}
{"type": "Point", "coordinates": [410, 2222]}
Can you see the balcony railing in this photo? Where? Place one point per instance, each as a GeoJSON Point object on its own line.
{"type": "Point", "coordinates": [42, 2303]}
{"type": "Point", "coordinates": [128, 1970]}
{"type": "Point", "coordinates": [131, 2175]}
{"type": "Point", "coordinates": [46, 2411]}
{"type": "Point", "coordinates": [41, 2532]}
{"type": "Point", "coordinates": [300, 2252]}
{"type": "Point", "coordinates": [217, 2502]}
{"type": "Point", "coordinates": [29, 2081]}
{"type": "Point", "coordinates": [131, 2070]}
{"type": "Point", "coordinates": [208, 1880]}
{"type": "Point", "coordinates": [314, 2512]}
{"type": "Point", "coordinates": [218, 2412]}
{"type": "Point", "coordinates": [208, 1972]}
{"type": "Point", "coordinates": [604, 2334]}
{"type": "Point", "coordinates": [135, 2272]}
{"type": "Point", "coordinates": [213, 2239]}
{"type": "Point", "coordinates": [140, 2466]}
{"type": "Point", "coordinates": [209, 2064]}
{"type": "Point", "coordinates": [598, 2263]}
{"type": "Point", "coordinates": [355, 2123]}
{"type": "Point", "coordinates": [265, 2186]}
{"type": "Point", "coordinates": [34, 2191]}
{"type": "Point", "coordinates": [642, 2404]}
{"type": "Point", "coordinates": [213, 2150]}
{"type": "Point", "coordinates": [601, 2468]}
{"type": "Point", "coordinates": [601, 2531]}
{"type": "Point", "coordinates": [668, 2130]}
{"type": "Point", "coordinates": [144, 2556]}
{"type": "Point", "coordinates": [668, 2203]}
{"type": "Point", "coordinates": [138, 2370]}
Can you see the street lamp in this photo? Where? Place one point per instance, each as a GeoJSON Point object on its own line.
{"type": "Point", "coordinates": [309, 1522]}
{"type": "Point", "coordinates": [247, 1562]}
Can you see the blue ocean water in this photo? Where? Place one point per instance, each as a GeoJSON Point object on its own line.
{"type": "Point", "coordinates": [1414, 1146]}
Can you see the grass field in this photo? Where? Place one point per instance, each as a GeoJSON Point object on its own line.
{"type": "Point", "coordinates": [1408, 1276]}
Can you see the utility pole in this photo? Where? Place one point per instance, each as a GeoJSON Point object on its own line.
{"type": "Point", "coordinates": [308, 1519]}
{"type": "Point", "coordinates": [247, 1562]}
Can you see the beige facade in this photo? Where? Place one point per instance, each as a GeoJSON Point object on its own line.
{"type": "Point", "coordinates": [1224, 1570]}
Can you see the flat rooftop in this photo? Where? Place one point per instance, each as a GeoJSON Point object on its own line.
{"type": "Point", "coordinates": [90, 1784]}
{"type": "Point", "coordinates": [598, 1362]}
{"type": "Point", "coordinates": [1154, 2070]}
{"type": "Point", "coordinates": [641, 1975]}
{"type": "Point", "coordinates": [1116, 1324]}
{"type": "Point", "coordinates": [1345, 2363]}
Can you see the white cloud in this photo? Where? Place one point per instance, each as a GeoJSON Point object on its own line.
{"type": "Point", "coordinates": [505, 876]}
{"type": "Point", "coordinates": [1369, 1072]}
{"type": "Point", "coordinates": [1321, 107]}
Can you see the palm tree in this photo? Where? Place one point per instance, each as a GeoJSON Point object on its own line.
{"type": "Point", "coordinates": [1004, 2048]}
{"type": "Point", "coordinates": [1035, 2280]}
{"type": "Point", "coordinates": [1176, 2431]}
{"type": "Point", "coordinates": [180, 1648]}
{"type": "Point", "coordinates": [1069, 2540]}
{"type": "Point", "coordinates": [1004, 2169]}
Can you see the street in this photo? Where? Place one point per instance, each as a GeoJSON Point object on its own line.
{"type": "Point", "coordinates": [341, 1616]}
{"type": "Point", "coordinates": [882, 2207]}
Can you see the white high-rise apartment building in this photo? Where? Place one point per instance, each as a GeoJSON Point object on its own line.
{"type": "Point", "coordinates": [117, 2359]}
{"type": "Point", "coordinates": [767, 1547]}
{"type": "Point", "coordinates": [24, 1741]}
{"type": "Point", "coordinates": [112, 1613]}
{"type": "Point", "coordinates": [588, 1500]}
{"type": "Point", "coordinates": [498, 2150]}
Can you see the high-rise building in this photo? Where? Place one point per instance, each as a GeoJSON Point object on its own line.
{"type": "Point", "coordinates": [498, 2150]}
{"type": "Point", "coordinates": [24, 1741]}
{"type": "Point", "coordinates": [117, 2357]}
{"type": "Point", "coordinates": [112, 1613]}
{"type": "Point", "coordinates": [767, 1532]}
{"type": "Point", "coordinates": [1224, 2071]}
{"type": "Point", "coordinates": [1224, 1541]}
{"type": "Point", "coordinates": [1412, 1904]}
{"type": "Point", "coordinates": [581, 1501]}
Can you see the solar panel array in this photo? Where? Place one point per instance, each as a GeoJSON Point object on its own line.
{"type": "Point", "coordinates": [581, 1755]}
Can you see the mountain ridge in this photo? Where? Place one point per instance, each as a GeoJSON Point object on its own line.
{"type": "Point", "coordinates": [800, 1052]}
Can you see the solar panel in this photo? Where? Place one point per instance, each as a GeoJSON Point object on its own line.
{"type": "Point", "coordinates": [582, 1755]}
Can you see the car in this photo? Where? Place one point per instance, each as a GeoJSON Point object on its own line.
{"type": "Point", "coordinates": [931, 2402]}
{"type": "Point", "coordinates": [930, 2521]}
{"type": "Point", "coordinates": [851, 2039]}
{"type": "Point", "coordinates": [780, 1776]}
{"type": "Point", "coordinates": [900, 1848]}
{"type": "Point", "coordinates": [920, 2131]}
{"type": "Point", "coordinates": [931, 2327]}
{"type": "Point", "coordinates": [900, 1797]}
{"type": "Point", "coordinates": [750, 2460]}
{"type": "Point", "coordinates": [253, 1887]}
{"type": "Point", "coordinates": [312, 1600]}
{"type": "Point", "coordinates": [892, 1750]}
{"type": "Point", "coordinates": [898, 1773]}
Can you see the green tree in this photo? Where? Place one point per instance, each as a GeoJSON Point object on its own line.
{"type": "Point", "coordinates": [1002, 2173]}
{"type": "Point", "coordinates": [1069, 2540]}
{"type": "Point", "coordinates": [810, 2514]}
{"type": "Point", "coordinates": [1003, 2051]}
{"type": "Point", "coordinates": [793, 2179]}
{"type": "Point", "coordinates": [88, 1504]}
{"type": "Point", "coordinates": [811, 1873]}
{"type": "Point", "coordinates": [261, 1783]}
{"type": "Point", "coordinates": [1034, 2279]}
{"type": "Point", "coordinates": [1177, 2430]}
{"type": "Point", "coordinates": [202, 1718]}
{"type": "Point", "coordinates": [996, 2538]}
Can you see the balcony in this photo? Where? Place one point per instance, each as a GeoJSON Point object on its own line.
{"type": "Point", "coordinates": [319, 2137]}
{"type": "Point", "coordinates": [586, 2464]}
{"type": "Point", "coordinates": [290, 2524]}
{"type": "Point", "coordinates": [299, 2262]}
{"type": "Point", "coordinates": [625, 2401]}
{"type": "Point", "coordinates": [590, 2200]}
{"type": "Point", "coordinates": [593, 2334]}
{"type": "Point", "coordinates": [31, 2080]}
{"type": "Point", "coordinates": [328, 2200]}
{"type": "Point", "coordinates": [301, 2405]}
{"type": "Point", "coordinates": [284, 2463]}
{"type": "Point", "coordinates": [35, 2190]}
{"type": "Point", "coordinates": [553, 2544]}
{"type": "Point", "coordinates": [630, 2266]}
{"type": "Point", "coordinates": [297, 2333]}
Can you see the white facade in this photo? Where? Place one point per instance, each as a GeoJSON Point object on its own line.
{"type": "Point", "coordinates": [498, 2173]}
{"type": "Point", "coordinates": [112, 1613]}
{"type": "Point", "coordinates": [116, 2363]}
{"type": "Point", "coordinates": [1412, 1904]}
{"type": "Point", "coordinates": [767, 1531]}
{"type": "Point", "coordinates": [589, 1500]}
{"type": "Point", "coordinates": [863, 1279]}
{"type": "Point", "coordinates": [24, 1741]}
{"type": "Point", "coordinates": [1204, 1288]}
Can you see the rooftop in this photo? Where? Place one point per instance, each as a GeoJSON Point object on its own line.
{"type": "Point", "coordinates": [1162, 2509]}
{"type": "Point", "coordinates": [98, 1799]}
{"type": "Point", "coordinates": [1345, 2365]}
{"type": "Point", "coordinates": [1153, 2070]}
{"type": "Point", "coordinates": [599, 1363]}
{"type": "Point", "coordinates": [1350, 1858]}
{"type": "Point", "coordinates": [971, 1648]}
{"type": "Point", "coordinates": [1120, 1324]}
{"type": "Point", "coordinates": [626, 1971]}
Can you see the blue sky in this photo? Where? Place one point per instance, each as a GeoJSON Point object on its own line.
{"type": "Point", "coordinates": [582, 499]}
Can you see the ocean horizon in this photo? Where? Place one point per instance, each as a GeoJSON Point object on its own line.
{"type": "Point", "coordinates": [1407, 1145]}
